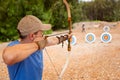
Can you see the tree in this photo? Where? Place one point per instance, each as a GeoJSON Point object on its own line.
{"type": "Point", "coordinates": [11, 11]}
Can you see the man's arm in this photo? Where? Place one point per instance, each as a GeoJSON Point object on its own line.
{"type": "Point", "coordinates": [52, 41]}
{"type": "Point", "coordinates": [19, 52]}
{"type": "Point", "coordinates": [57, 40]}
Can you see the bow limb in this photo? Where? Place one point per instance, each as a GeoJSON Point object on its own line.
{"type": "Point", "coordinates": [69, 22]}
{"type": "Point", "coordinates": [69, 46]}
{"type": "Point", "coordinates": [68, 8]}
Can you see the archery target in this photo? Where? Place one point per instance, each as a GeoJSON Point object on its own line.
{"type": "Point", "coordinates": [106, 28]}
{"type": "Point", "coordinates": [72, 41]}
{"type": "Point", "coordinates": [90, 37]}
{"type": "Point", "coordinates": [106, 37]}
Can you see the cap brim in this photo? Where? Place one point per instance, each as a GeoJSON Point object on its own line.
{"type": "Point", "coordinates": [46, 27]}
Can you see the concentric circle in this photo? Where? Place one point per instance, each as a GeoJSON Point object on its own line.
{"type": "Point", "coordinates": [106, 28]}
{"type": "Point", "coordinates": [72, 41]}
{"type": "Point", "coordinates": [90, 37]}
{"type": "Point", "coordinates": [106, 37]}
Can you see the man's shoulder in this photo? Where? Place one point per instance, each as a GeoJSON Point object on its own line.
{"type": "Point", "coordinates": [13, 43]}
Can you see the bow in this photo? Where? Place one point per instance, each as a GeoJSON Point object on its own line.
{"type": "Point", "coordinates": [69, 22]}
{"type": "Point", "coordinates": [69, 46]}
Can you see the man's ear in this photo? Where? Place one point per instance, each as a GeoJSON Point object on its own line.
{"type": "Point", "coordinates": [31, 36]}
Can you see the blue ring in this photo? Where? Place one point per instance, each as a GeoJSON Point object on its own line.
{"type": "Point", "coordinates": [107, 39]}
{"type": "Point", "coordinates": [88, 40]}
{"type": "Point", "coordinates": [89, 36]}
{"type": "Point", "coordinates": [103, 37]}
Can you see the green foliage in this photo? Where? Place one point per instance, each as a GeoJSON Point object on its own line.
{"type": "Point", "coordinates": [11, 11]}
{"type": "Point", "coordinates": [54, 12]}
{"type": "Point", "coordinates": [47, 32]}
{"type": "Point", "coordinates": [77, 12]}
{"type": "Point", "coordinates": [7, 21]}
{"type": "Point", "coordinates": [104, 10]}
{"type": "Point", "coordinates": [59, 16]}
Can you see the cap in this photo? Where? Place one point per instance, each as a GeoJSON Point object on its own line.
{"type": "Point", "coordinates": [31, 24]}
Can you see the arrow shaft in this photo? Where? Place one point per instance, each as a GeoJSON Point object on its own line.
{"type": "Point", "coordinates": [57, 34]}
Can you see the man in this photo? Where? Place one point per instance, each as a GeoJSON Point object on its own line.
{"type": "Point", "coordinates": [83, 27]}
{"type": "Point", "coordinates": [24, 58]}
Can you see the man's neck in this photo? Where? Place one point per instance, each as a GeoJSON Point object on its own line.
{"type": "Point", "coordinates": [25, 41]}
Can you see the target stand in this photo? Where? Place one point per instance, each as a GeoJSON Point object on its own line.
{"type": "Point", "coordinates": [90, 38]}
{"type": "Point", "coordinates": [106, 28]}
{"type": "Point", "coordinates": [106, 37]}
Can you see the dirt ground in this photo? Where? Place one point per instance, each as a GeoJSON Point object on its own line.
{"type": "Point", "coordinates": [95, 61]}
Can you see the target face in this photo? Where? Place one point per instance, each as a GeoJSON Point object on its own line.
{"type": "Point", "coordinates": [90, 38]}
{"type": "Point", "coordinates": [106, 37]}
{"type": "Point", "coordinates": [106, 28]}
{"type": "Point", "coordinates": [73, 40]}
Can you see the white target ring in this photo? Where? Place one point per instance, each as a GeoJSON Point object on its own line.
{"type": "Point", "coordinates": [90, 38]}
{"type": "Point", "coordinates": [106, 37]}
{"type": "Point", "coordinates": [73, 40]}
{"type": "Point", "coordinates": [106, 28]}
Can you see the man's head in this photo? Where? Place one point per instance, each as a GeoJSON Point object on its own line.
{"type": "Point", "coordinates": [31, 24]}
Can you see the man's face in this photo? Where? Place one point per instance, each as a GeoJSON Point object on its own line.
{"type": "Point", "coordinates": [38, 36]}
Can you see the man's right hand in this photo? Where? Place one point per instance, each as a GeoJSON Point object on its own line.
{"type": "Point", "coordinates": [41, 44]}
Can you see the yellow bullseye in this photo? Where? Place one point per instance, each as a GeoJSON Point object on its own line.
{"type": "Point", "coordinates": [90, 38]}
{"type": "Point", "coordinates": [106, 37]}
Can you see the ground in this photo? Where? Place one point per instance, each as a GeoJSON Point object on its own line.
{"type": "Point", "coordinates": [95, 61]}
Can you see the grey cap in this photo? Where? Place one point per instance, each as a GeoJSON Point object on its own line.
{"type": "Point", "coordinates": [31, 24]}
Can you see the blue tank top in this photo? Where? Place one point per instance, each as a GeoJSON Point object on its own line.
{"type": "Point", "coordinates": [29, 69]}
